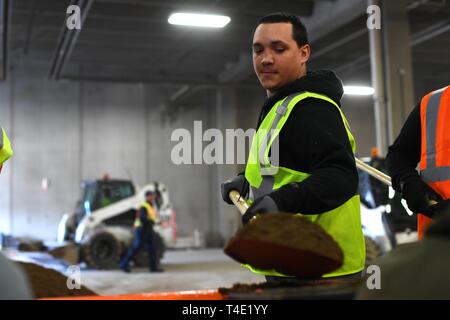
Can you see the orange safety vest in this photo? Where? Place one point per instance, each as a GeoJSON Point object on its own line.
{"type": "Point", "coordinates": [435, 147]}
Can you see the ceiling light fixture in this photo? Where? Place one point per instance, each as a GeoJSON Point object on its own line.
{"type": "Point", "coordinates": [359, 90]}
{"type": "Point", "coordinates": [199, 20]}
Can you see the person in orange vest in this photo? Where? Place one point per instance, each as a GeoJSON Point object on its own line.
{"type": "Point", "coordinates": [146, 217]}
{"type": "Point", "coordinates": [379, 189]}
{"type": "Point", "coordinates": [424, 139]}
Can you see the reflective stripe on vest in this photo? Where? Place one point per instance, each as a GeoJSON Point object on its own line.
{"type": "Point", "coordinates": [151, 214]}
{"type": "Point", "coordinates": [5, 147]}
{"type": "Point", "coordinates": [342, 223]}
{"type": "Point", "coordinates": [435, 146]}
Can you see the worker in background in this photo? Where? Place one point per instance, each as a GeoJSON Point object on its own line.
{"type": "Point", "coordinates": [380, 190]}
{"type": "Point", "coordinates": [316, 174]}
{"type": "Point", "coordinates": [146, 217]}
{"type": "Point", "coordinates": [106, 199]}
{"type": "Point", "coordinates": [5, 148]}
{"type": "Point", "coordinates": [424, 139]}
{"type": "Point", "coordinates": [14, 285]}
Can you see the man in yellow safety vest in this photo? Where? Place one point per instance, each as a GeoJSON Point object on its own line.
{"type": "Point", "coordinates": [14, 284]}
{"type": "Point", "coordinates": [302, 156]}
{"type": "Point", "coordinates": [145, 219]}
{"type": "Point", "coordinates": [5, 148]}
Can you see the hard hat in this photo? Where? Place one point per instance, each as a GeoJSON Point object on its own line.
{"type": "Point", "coordinates": [149, 193]}
{"type": "Point", "coordinates": [374, 152]}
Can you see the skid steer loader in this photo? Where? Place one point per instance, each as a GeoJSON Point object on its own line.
{"type": "Point", "coordinates": [101, 226]}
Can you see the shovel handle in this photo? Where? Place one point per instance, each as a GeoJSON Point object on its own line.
{"type": "Point", "coordinates": [379, 175]}
{"type": "Point", "coordinates": [238, 201]}
{"type": "Point", "coordinates": [242, 205]}
{"type": "Point", "coordinates": [373, 172]}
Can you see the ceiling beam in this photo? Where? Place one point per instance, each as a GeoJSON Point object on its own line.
{"type": "Point", "coordinates": [159, 81]}
{"type": "Point", "coordinates": [329, 16]}
{"type": "Point", "coordinates": [304, 8]}
{"type": "Point", "coordinates": [5, 14]}
{"type": "Point", "coordinates": [318, 26]}
{"type": "Point", "coordinates": [67, 40]}
{"type": "Point", "coordinates": [415, 39]}
{"type": "Point", "coordinates": [30, 28]}
{"type": "Point", "coordinates": [431, 32]}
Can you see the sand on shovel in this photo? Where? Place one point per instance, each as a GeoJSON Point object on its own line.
{"type": "Point", "coordinates": [288, 244]}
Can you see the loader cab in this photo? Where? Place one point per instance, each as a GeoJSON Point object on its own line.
{"type": "Point", "coordinates": [97, 194]}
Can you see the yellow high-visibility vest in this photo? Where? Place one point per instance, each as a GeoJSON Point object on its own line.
{"type": "Point", "coordinates": [342, 223]}
{"type": "Point", "coordinates": [151, 214]}
{"type": "Point", "coordinates": [5, 147]}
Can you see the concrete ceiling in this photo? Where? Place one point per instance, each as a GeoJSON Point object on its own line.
{"type": "Point", "coordinates": [131, 41]}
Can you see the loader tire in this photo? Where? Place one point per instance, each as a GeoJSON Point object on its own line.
{"type": "Point", "coordinates": [142, 260]}
{"type": "Point", "coordinates": [102, 251]}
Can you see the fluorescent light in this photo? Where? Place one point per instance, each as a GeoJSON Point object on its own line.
{"type": "Point", "coordinates": [359, 90]}
{"type": "Point", "coordinates": [199, 20]}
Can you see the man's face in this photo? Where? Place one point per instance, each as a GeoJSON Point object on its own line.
{"type": "Point", "coordinates": [277, 59]}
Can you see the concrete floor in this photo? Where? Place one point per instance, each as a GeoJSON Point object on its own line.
{"type": "Point", "coordinates": [190, 269]}
{"type": "Point", "coordinates": [184, 270]}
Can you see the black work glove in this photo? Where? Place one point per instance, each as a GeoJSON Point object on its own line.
{"type": "Point", "coordinates": [441, 227]}
{"type": "Point", "coordinates": [439, 209]}
{"type": "Point", "coordinates": [238, 183]}
{"type": "Point", "coordinates": [262, 205]}
{"type": "Point", "coordinates": [419, 195]}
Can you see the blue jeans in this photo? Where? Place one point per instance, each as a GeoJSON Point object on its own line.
{"type": "Point", "coordinates": [143, 238]}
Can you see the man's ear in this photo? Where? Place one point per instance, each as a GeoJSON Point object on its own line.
{"type": "Point", "coordinates": [305, 52]}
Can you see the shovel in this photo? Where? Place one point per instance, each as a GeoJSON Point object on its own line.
{"type": "Point", "coordinates": [284, 243]}
{"type": "Point", "coordinates": [373, 172]}
{"type": "Point", "coordinates": [379, 175]}
{"type": "Point", "coordinates": [288, 244]}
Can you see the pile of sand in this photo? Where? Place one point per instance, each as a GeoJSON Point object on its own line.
{"type": "Point", "coordinates": [288, 283]}
{"type": "Point", "coordinates": [319, 289]}
{"type": "Point", "coordinates": [48, 283]}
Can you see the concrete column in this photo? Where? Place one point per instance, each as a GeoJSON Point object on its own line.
{"type": "Point", "coordinates": [377, 64]}
{"type": "Point", "coordinates": [225, 118]}
{"type": "Point", "coordinates": [398, 68]}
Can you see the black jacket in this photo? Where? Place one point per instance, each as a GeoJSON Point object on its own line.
{"type": "Point", "coordinates": [314, 140]}
{"type": "Point", "coordinates": [404, 153]}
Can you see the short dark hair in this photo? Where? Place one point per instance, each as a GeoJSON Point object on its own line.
{"type": "Point", "coordinates": [299, 33]}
